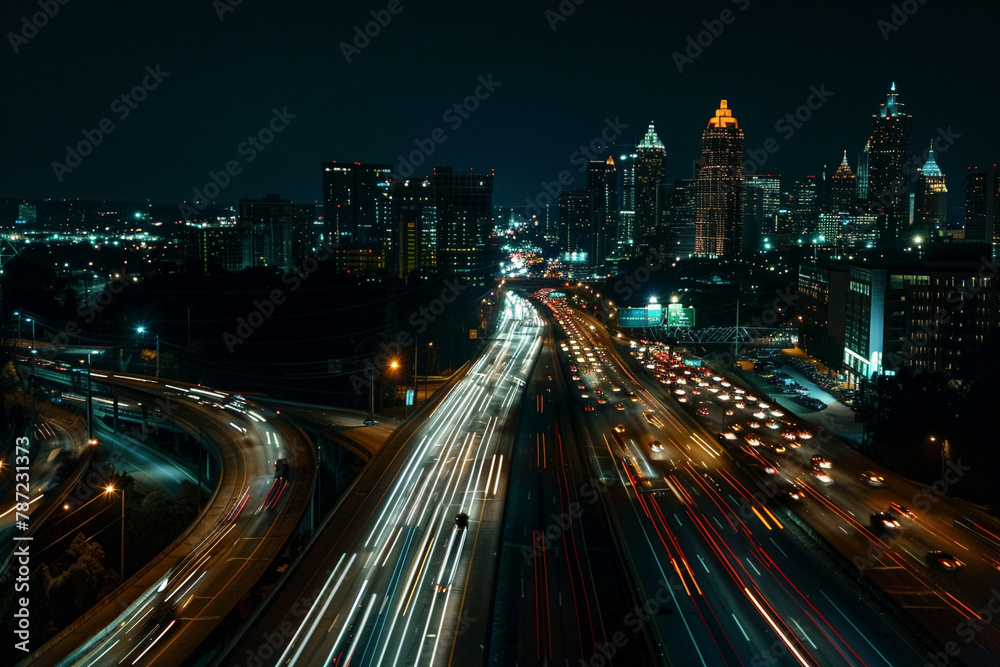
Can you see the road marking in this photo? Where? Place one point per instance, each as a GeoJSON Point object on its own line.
{"type": "Point", "coordinates": [740, 627]}
{"type": "Point", "coordinates": [779, 548]}
{"type": "Point", "coordinates": [804, 634]}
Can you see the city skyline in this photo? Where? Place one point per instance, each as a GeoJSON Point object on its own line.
{"type": "Point", "coordinates": [490, 110]}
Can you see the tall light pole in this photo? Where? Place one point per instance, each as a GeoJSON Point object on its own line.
{"type": "Point", "coordinates": [945, 453]}
{"type": "Point", "coordinates": [111, 490]}
{"type": "Point", "coordinates": [142, 331]}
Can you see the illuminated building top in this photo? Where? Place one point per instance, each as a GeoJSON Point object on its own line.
{"type": "Point", "coordinates": [723, 117]}
{"type": "Point", "coordinates": [651, 140]}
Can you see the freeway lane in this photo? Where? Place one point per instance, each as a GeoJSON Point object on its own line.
{"type": "Point", "coordinates": [742, 587]}
{"type": "Point", "coordinates": [392, 574]}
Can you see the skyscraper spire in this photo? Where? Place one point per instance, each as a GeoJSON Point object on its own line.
{"type": "Point", "coordinates": [651, 140]}
{"type": "Point", "coordinates": [843, 163]}
{"type": "Point", "coordinates": [931, 167]}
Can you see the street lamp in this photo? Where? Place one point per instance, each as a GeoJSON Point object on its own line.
{"type": "Point", "coordinates": [945, 453]}
{"type": "Point", "coordinates": [141, 331]}
{"type": "Point", "coordinates": [110, 489]}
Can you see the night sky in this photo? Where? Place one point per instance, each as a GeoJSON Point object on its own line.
{"type": "Point", "coordinates": [556, 87]}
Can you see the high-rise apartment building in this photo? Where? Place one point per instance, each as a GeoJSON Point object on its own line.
{"type": "Point", "coordinates": [982, 205]}
{"type": "Point", "coordinates": [464, 202]}
{"type": "Point", "coordinates": [413, 215]}
{"type": "Point", "coordinates": [602, 186]}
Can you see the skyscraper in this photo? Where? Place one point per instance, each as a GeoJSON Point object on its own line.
{"type": "Point", "coordinates": [863, 159]}
{"type": "Point", "coordinates": [804, 206]}
{"type": "Point", "coordinates": [414, 229]}
{"type": "Point", "coordinates": [650, 172]}
{"type": "Point", "coordinates": [982, 205]}
{"type": "Point", "coordinates": [626, 209]}
{"type": "Point", "coordinates": [760, 207]}
{"type": "Point", "coordinates": [719, 217]}
{"type": "Point", "coordinates": [356, 202]}
{"type": "Point", "coordinates": [931, 205]}
{"type": "Point", "coordinates": [274, 231]}
{"type": "Point", "coordinates": [575, 234]}
{"type": "Point", "coordinates": [888, 185]}
{"type": "Point", "coordinates": [602, 186]}
{"type": "Point", "coordinates": [683, 208]}
{"type": "Point", "coordinates": [843, 189]}
{"type": "Point", "coordinates": [464, 203]}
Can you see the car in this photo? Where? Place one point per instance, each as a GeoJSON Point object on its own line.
{"type": "Point", "coordinates": [730, 412]}
{"type": "Point", "coordinates": [753, 424]}
{"type": "Point", "coordinates": [620, 428]}
{"type": "Point", "coordinates": [772, 425]}
{"type": "Point", "coordinates": [702, 411]}
{"type": "Point", "coordinates": [872, 478]}
{"type": "Point", "coordinates": [803, 434]}
{"type": "Point", "coordinates": [599, 392]}
{"type": "Point", "coordinates": [740, 404]}
{"type": "Point", "coordinates": [778, 448]}
{"type": "Point", "coordinates": [791, 492]}
{"type": "Point", "coordinates": [649, 417]}
{"type": "Point", "coordinates": [575, 378]}
{"type": "Point", "coordinates": [281, 468]}
{"type": "Point", "coordinates": [656, 446]}
{"type": "Point", "coordinates": [821, 462]}
{"type": "Point", "coordinates": [632, 397]}
{"type": "Point", "coordinates": [549, 377]}
{"type": "Point", "coordinates": [944, 561]}
{"type": "Point", "coordinates": [461, 521]}
{"type": "Point", "coordinates": [752, 440]}
{"type": "Point", "coordinates": [737, 427]}
{"type": "Point", "coordinates": [370, 422]}
{"type": "Point", "coordinates": [615, 388]}
{"type": "Point", "coordinates": [601, 400]}
{"type": "Point", "coordinates": [760, 414]}
{"type": "Point", "coordinates": [588, 408]}
{"type": "Point", "coordinates": [572, 369]}
{"type": "Point", "coordinates": [884, 521]}
{"type": "Point", "coordinates": [620, 407]}
{"type": "Point", "coordinates": [582, 387]}
{"type": "Point", "coordinates": [788, 435]}
{"type": "Point", "coordinates": [822, 476]}
{"type": "Point", "coordinates": [902, 511]}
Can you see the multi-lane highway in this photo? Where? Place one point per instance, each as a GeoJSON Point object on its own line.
{"type": "Point", "coordinates": [726, 580]}
{"type": "Point", "coordinates": [168, 610]}
{"type": "Point", "coordinates": [408, 557]}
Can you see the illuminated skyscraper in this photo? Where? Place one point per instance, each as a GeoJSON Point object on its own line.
{"type": "Point", "coordinates": [650, 172]}
{"type": "Point", "coordinates": [843, 189]}
{"type": "Point", "coordinates": [602, 185]}
{"type": "Point", "coordinates": [931, 205]}
{"type": "Point", "coordinates": [574, 222]}
{"type": "Point", "coordinates": [626, 210]}
{"type": "Point", "coordinates": [413, 248]}
{"type": "Point", "coordinates": [888, 185]}
{"type": "Point", "coordinates": [863, 172]}
{"type": "Point", "coordinates": [719, 216]}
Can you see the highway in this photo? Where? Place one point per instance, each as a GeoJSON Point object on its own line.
{"type": "Point", "coordinates": [168, 609]}
{"type": "Point", "coordinates": [727, 581]}
{"type": "Point", "coordinates": [391, 577]}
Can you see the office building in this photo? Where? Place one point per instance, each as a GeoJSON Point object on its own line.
{"type": "Point", "coordinates": [719, 215]}
{"type": "Point", "coordinates": [889, 185]}
{"type": "Point", "coordinates": [650, 172]}
{"type": "Point", "coordinates": [464, 202]}
{"type": "Point", "coordinates": [356, 202]}
{"type": "Point", "coordinates": [412, 251]}
{"type": "Point", "coordinates": [931, 199]}
{"type": "Point", "coordinates": [843, 189]}
{"type": "Point", "coordinates": [602, 187]}
{"type": "Point", "coordinates": [982, 205]}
